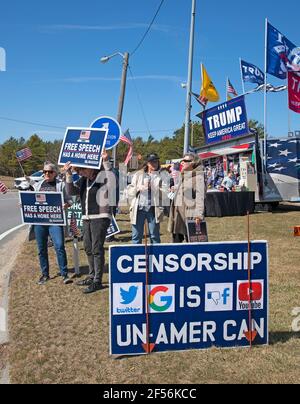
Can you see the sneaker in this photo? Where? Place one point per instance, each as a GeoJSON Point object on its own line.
{"type": "Point", "coordinates": [43, 280]}
{"type": "Point", "coordinates": [93, 288]}
{"type": "Point", "coordinates": [85, 282]}
{"type": "Point", "coordinates": [67, 280]}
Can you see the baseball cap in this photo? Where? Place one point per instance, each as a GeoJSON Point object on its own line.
{"type": "Point", "coordinates": [152, 157]}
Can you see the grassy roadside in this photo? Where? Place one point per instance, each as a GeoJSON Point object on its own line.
{"type": "Point", "coordinates": [8, 181]}
{"type": "Point", "coordinates": [58, 335]}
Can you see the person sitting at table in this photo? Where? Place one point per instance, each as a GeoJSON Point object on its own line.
{"type": "Point", "coordinates": [228, 182]}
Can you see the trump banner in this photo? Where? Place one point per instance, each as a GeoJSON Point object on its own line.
{"type": "Point", "coordinates": [42, 208]}
{"type": "Point", "coordinates": [188, 296]}
{"type": "Point", "coordinates": [225, 121]}
{"type": "Point", "coordinates": [294, 91]}
{"type": "Point", "coordinates": [83, 147]}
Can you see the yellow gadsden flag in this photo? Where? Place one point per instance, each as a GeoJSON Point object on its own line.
{"type": "Point", "coordinates": [208, 90]}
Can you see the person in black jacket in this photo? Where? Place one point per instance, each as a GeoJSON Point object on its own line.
{"type": "Point", "coordinates": [93, 188]}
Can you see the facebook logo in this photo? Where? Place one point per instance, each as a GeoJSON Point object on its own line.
{"type": "Point", "coordinates": [218, 297]}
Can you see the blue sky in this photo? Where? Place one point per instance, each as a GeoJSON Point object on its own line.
{"type": "Point", "coordinates": [53, 74]}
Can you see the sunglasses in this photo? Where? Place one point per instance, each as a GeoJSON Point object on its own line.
{"type": "Point", "coordinates": [187, 161]}
{"type": "Point", "coordinates": [48, 171]}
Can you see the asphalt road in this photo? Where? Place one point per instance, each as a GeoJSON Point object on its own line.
{"type": "Point", "coordinates": [10, 215]}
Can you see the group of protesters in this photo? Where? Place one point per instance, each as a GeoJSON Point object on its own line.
{"type": "Point", "coordinates": [152, 194]}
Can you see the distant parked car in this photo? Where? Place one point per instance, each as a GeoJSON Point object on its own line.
{"type": "Point", "coordinates": [23, 184]}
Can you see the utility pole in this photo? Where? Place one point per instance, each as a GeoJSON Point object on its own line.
{"type": "Point", "coordinates": [122, 97]}
{"type": "Point", "coordinates": [189, 82]}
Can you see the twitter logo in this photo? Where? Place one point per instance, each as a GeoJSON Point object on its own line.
{"type": "Point", "coordinates": [129, 295]}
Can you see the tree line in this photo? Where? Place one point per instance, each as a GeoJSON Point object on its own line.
{"type": "Point", "coordinates": [169, 147]}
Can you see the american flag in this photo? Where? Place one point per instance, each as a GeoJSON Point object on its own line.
{"type": "Point", "coordinates": [126, 138]}
{"type": "Point", "coordinates": [73, 226]}
{"type": "Point", "coordinates": [3, 188]}
{"type": "Point", "coordinates": [202, 100]}
{"type": "Point", "coordinates": [284, 157]}
{"type": "Point", "coordinates": [40, 198]}
{"type": "Point", "coordinates": [24, 154]}
{"type": "Point", "coordinates": [230, 90]}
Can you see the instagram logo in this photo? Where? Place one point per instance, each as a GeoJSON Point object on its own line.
{"type": "Point", "coordinates": [2, 60]}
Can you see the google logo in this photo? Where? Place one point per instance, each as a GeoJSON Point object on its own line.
{"type": "Point", "coordinates": [165, 301]}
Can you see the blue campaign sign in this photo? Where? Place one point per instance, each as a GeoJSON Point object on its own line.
{"type": "Point", "coordinates": [83, 147]}
{"type": "Point", "coordinates": [198, 296]}
{"type": "Point", "coordinates": [226, 121]}
{"type": "Point", "coordinates": [42, 208]}
{"type": "Point", "coordinates": [113, 127]}
{"type": "Point", "coordinates": [113, 228]}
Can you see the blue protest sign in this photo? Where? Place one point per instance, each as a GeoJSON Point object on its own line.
{"type": "Point", "coordinates": [113, 228]}
{"type": "Point", "coordinates": [83, 147]}
{"type": "Point", "coordinates": [42, 208]}
{"type": "Point", "coordinates": [113, 127]}
{"type": "Point", "coordinates": [252, 73]}
{"type": "Point", "coordinates": [225, 121]}
{"type": "Point", "coordinates": [198, 296]}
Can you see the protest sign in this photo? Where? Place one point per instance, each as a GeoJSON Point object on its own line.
{"type": "Point", "coordinates": [42, 208]}
{"type": "Point", "coordinates": [197, 233]}
{"type": "Point", "coordinates": [113, 228]}
{"type": "Point", "coordinates": [198, 296]}
{"type": "Point", "coordinates": [83, 147]}
{"type": "Point", "coordinates": [225, 121]}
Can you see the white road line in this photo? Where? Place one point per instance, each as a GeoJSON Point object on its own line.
{"type": "Point", "coordinates": [3, 235]}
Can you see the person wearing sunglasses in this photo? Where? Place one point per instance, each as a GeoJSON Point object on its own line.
{"type": "Point", "coordinates": [188, 202]}
{"type": "Point", "coordinates": [51, 183]}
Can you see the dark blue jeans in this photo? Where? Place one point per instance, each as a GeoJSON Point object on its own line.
{"type": "Point", "coordinates": [138, 229]}
{"type": "Point", "coordinates": [57, 235]}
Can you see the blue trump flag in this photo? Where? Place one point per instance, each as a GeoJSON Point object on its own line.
{"type": "Point", "coordinates": [282, 54]}
{"type": "Point", "coordinates": [251, 73]}
{"type": "Point", "coordinates": [196, 296]}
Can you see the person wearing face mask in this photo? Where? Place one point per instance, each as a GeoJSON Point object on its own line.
{"type": "Point", "coordinates": [146, 194]}
{"type": "Point", "coordinates": [188, 202]}
{"type": "Point", "coordinates": [94, 188]}
{"type": "Point", "coordinates": [51, 183]}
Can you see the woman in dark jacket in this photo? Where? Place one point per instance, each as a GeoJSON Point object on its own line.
{"type": "Point", "coordinates": [93, 188]}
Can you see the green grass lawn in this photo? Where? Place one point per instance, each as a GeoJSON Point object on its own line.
{"type": "Point", "coordinates": [58, 335]}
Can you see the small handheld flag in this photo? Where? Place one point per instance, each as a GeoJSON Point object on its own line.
{"type": "Point", "coordinates": [126, 138]}
{"type": "Point", "coordinates": [24, 154]}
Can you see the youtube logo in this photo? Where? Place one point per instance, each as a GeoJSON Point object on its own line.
{"type": "Point", "coordinates": [253, 292]}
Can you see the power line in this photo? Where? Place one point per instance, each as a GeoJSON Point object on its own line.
{"type": "Point", "coordinates": [150, 26]}
{"type": "Point", "coordinates": [61, 127]}
{"type": "Point", "coordinates": [140, 101]}
{"type": "Point", "coordinates": [31, 123]}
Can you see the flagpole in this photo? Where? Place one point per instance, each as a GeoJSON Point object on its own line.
{"type": "Point", "coordinates": [189, 82]}
{"type": "Point", "coordinates": [289, 111]}
{"type": "Point", "coordinates": [265, 98]}
{"type": "Point", "coordinates": [243, 84]}
{"type": "Point", "coordinates": [226, 95]}
{"type": "Point", "coordinates": [22, 169]}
